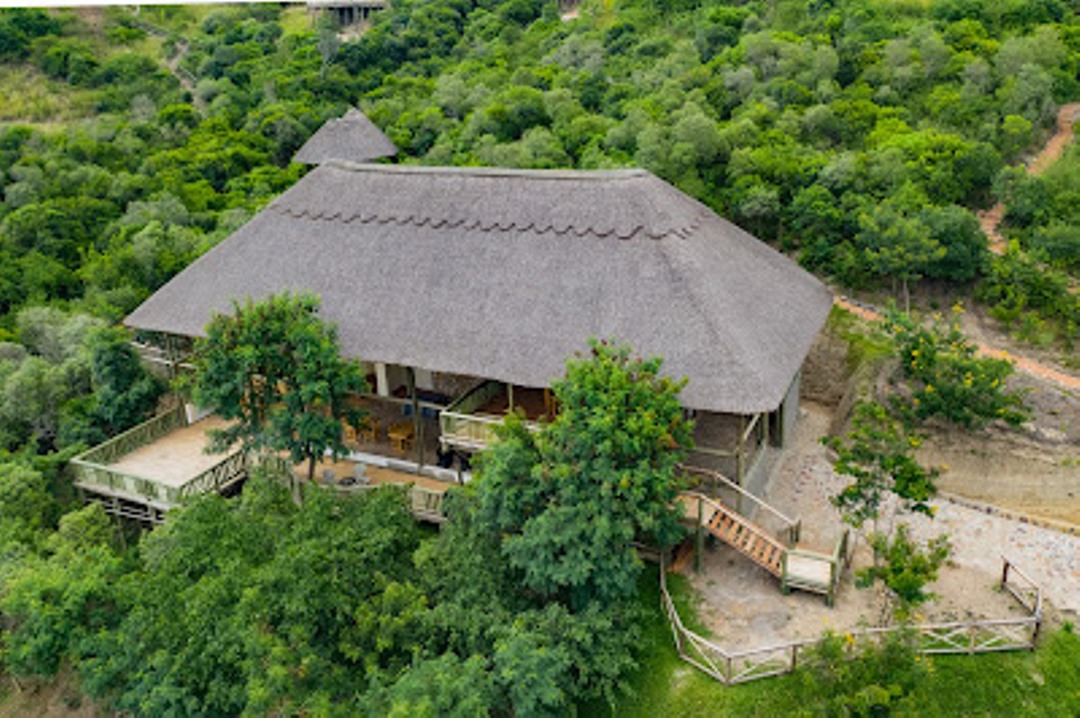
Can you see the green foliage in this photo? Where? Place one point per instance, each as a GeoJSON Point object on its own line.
{"type": "Point", "coordinates": [124, 393]}
{"type": "Point", "coordinates": [905, 568]}
{"type": "Point", "coordinates": [948, 380]}
{"type": "Point", "coordinates": [55, 603]}
{"type": "Point", "coordinates": [443, 686]}
{"type": "Point", "coordinates": [572, 499]}
{"type": "Point", "coordinates": [70, 380]}
{"type": "Point", "coordinates": [261, 606]}
{"type": "Point", "coordinates": [879, 454]}
{"type": "Point", "coordinates": [1019, 287]}
{"type": "Point", "coordinates": [842, 676]}
{"type": "Point", "coordinates": [27, 509]}
{"type": "Point", "coordinates": [275, 368]}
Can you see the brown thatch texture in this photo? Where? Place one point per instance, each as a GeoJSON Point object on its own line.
{"type": "Point", "coordinates": [351, 138]}
{"type": "Point", "coordinates": [504, 274]}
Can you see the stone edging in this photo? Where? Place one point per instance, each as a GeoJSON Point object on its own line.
{"type": "Point", "coordinates": [1052, 524]}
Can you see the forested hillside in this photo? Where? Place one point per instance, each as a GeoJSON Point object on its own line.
{"type": "Point", "coordinates": [859, 136]}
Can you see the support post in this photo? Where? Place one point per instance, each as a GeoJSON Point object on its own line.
{"type": "Point", "coordinates": [170, 356]}
{"type": "Point", "coordinates": [740, 468]}
{"type": "Point", "coordinates": [509, 398]}
{"type": "Point", "coordinates": [418, 426]}
{"type": "Point", "coordinates": [699, 539]}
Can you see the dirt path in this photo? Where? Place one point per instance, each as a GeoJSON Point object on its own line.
{"type": "Point", "coordinates": [744, 607]}
{"type": "Point", "coordinates": [1023, 364]}
{"type": "Point", "coordinates": [1051, 152]}
{"type": "Point", "coordinates": [186, 79]}
{"type": "Point", "coordinates": [173, 64]}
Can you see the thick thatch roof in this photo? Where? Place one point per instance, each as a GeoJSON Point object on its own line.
{"type": "Point", "coordinates": [505, 273]}
{"type": "Point", "coordinates": [350, 138]}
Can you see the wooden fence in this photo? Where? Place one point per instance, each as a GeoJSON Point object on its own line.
{"type": "Point", "coordinates": [963, 637]}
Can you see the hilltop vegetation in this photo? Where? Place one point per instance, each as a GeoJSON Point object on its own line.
{"type": "Point", "coordinates": [859, 136]}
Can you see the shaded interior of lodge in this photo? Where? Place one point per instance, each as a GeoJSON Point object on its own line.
{"type": "Point", "coordinates": [424, 426]}
{"type": "Point", "coordinates": [346, 12]}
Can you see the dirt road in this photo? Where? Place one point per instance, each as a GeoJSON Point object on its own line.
{"type": "Point", "coordinates": [1023, 364]}
{"type": "Point", "coordinates": [1051, 152]}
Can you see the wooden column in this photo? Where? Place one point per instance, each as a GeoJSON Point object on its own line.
{"type": "Point", "coordinates": [418, 425]}
{"type": "Point", "coordinates": [740, 450]}
{"type": "Point", "coordinates": [699, 538]}
{"type": "Point", "coordinates": [509, 398]}
{"type": "Point", "coordinates": [170, 356]}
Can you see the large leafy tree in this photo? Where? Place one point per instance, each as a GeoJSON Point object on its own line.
{"type": "Point", "coordinates": [274, 369]}
{"type": "Point", "coordinates": [572, 499]}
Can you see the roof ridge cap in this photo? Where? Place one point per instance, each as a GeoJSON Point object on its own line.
{"type": "Point", "coordinates": [624, 173]}
{"type": "Point", "coordinates": [445, 223]}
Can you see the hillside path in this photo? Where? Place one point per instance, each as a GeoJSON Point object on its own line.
{"type": "Point", "coordinates": [1023, 364]}
{"type": "Point", "coordinates": [1051, 152]}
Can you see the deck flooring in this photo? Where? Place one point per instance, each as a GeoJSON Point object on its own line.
{"type": "Point", "coordinates": [177, 457]}
{"type": "Point", "coordinates": [376, 474]}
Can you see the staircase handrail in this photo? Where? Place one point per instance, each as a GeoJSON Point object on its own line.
{"type": "Point", "coordinates": [741, 520]}
{"type": "Point", "coordinates": [792, 526]}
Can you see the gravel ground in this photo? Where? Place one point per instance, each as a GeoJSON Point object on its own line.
{"type": "Point", "coordinates": [744, 608]}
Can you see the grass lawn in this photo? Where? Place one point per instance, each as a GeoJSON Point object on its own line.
{"type": "Point", "coordinates": [1043, 683]}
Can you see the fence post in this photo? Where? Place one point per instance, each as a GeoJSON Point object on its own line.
{"type": "Point", "coordinates": [794, 656]}
{"type": "Point", "coordinates": [1004, 571]}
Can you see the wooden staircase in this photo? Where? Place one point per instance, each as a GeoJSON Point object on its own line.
{"type": "Point", "coordinates": [796, 568]}
{"type": "Point", "coordinates": [745, 537]}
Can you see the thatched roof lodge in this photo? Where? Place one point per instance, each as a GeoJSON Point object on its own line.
{"type": "Point", "coordinates": [502, 274]}
{"type": "Point", "coordinates": [351, 138]}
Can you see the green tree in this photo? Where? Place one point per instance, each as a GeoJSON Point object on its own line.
{"type": "Point", "coordinates": [949, 380]}
{"type": "Point", "coordinates": [54, 603]}
{"type": "Point", "coordinates": [123, 392]}
{"type": "Point", "coordinates": [878, 453]}
{"type": "Point", "coordinates": [845, 676]}
{"type": "Point", "coordinates": [275, 369]}
{"type": "Point", "coordinates": [898, 246]}
{"type": "Point", "coordinates": [27, 509]}
{"type": "Point", "coordinates": [905, 568]}
{"type": "Point", "coordinates": [572, 499]}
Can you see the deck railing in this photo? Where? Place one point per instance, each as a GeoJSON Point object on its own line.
{"type": "Point", "coordinates": [230, 469]}
{"type": "Point", "coordinates": [460, 424]}
{"type": "Point", "coordinates": [426, 504]}
{"type": "Point", "coordinates": [92, 468]}
{"type": "Point", "coordinates": [957, 637]}
{"type": "Point", "coordinates": [472, 431]}
{"type": "Point", "coordinates": [136, 437]}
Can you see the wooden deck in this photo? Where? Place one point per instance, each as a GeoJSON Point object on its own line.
{"type": "Point", "coordinates": [345, 469]}
{"type": "Point", "coordinates": [176, 458]}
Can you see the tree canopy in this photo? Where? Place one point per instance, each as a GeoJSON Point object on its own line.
{"type": "Point", "coordinates": [274, 368]}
